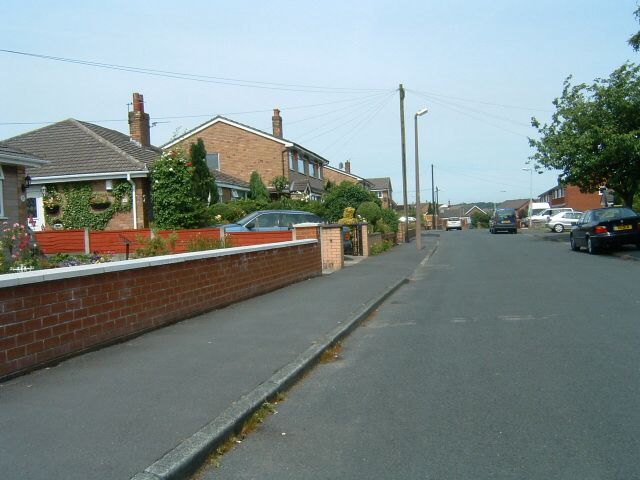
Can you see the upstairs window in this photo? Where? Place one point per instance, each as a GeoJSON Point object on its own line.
{"type": "Point", "coordinates": [292, 161]}
{"type": "Point", "coordinates": [301, 163]}
{"type": "Point", "coordinates": [316, 171]}
{"type": "Point", "coordinates": [213, 161]}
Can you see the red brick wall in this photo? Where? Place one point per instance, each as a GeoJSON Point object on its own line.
{"type": "Point", "coordinates": [577, 200]}
{"type": "Point", "coordinates": [242, 152]}
{"type": "Point", "coordinates": [51, 319]}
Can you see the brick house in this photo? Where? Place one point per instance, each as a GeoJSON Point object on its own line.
{"type": "Point", "coordinates": [339, 175]}
{"type": "Point", "coordinates": [382, 188]}
{"type": "Point", "coordinates": [237, 150]}
{"type": "Point", "coordinates": [14, 182]}
{"type": "Point", "coordinates": [571, 196]}
{"type": "Point", "coordinates": [80, 152]}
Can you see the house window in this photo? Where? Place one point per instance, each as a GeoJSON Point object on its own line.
{"type": "Point", "coordinates": [234, 194]}
{"type": "Point", "coordinates": [320, 172]}
{"type": "Point", "coordinates": [379, 194]}
{"type": "Point", "coordinates": [316, 171]}
{"type": "Point", "coordinates": [292, 161]}
{"type": "Point", "coordinates": [220, 195]}
{"type": "Point", "coordinates": [1, 192]}
{"type": "Point", "coordinates": [301, 162]}
{"type": "Point", "coordinates": [213, 161]}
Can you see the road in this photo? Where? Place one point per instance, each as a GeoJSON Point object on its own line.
{"type": "Point", "coordinates": [505, 357]}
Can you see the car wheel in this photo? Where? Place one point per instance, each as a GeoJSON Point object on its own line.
{"type": "Point", "coordinates": [558, 228]}
{"type": "Point", "coordinates": [591, 246]}
{"type": "Point", "coordinates": [574, 245]}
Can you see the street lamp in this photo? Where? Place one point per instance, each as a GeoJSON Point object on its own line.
{"type": "Point", "coordinates": [530, 170]}
{"type": "Point", "coordinates": [418, 209]}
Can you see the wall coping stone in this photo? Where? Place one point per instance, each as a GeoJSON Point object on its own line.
{"type": "Point", "coordinates": [38, 276]}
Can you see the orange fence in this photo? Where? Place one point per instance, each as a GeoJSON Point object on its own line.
{"type": "Point", "coordinates": [115, 241]}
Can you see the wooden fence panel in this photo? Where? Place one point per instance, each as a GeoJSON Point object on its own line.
{"type": "Point", "coordinates": [66, 241]}
{"type": "Point", "coordinates": [184, 236]}
{"type": "Point", "coordinates": [115, 241]}
{"type": "Point", "coordinates": [245, 239]}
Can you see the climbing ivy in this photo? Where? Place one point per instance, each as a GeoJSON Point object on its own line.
{"type": "Point", "coordinates": [76, 211]}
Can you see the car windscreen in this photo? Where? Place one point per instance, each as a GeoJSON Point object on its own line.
{"type": "Point", "coordinates": [613, 214]}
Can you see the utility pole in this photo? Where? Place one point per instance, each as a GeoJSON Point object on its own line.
{"type": "Point", "coordinates": [433, 202]}
{"type": "Point", "coordinates": [437, 200]}
{"type": "Point", "coordinates": [404, 167]}
{"type": "Point", "coordinates": [418, 206]}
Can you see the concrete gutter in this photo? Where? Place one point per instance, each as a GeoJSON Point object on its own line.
{"type": "Point", "coordinates": [183, 460]}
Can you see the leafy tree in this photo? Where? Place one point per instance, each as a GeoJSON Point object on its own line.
{"type": "Point", "coordinates": [257, 189]}
{"type": "Point", "coordinates": [594, 134]}
{"type": "Point", "coordinates": [390, 218]}
{"type": "Point", "coordinates": [346, 195]}
{"type": "Point", "coordinates": [370, 211]}
{"type": "Point", "coordinates": [480, 220]}
{"type": "Point", "coordinates": [280, 183]}
{"type": "Point", "coordinates": [329, 185]}
{"type": "Point", "coordinates": [174, 203]}
{"type": "Point", "coordinates": [634, 41]}
{"type": "Point", "coordinates": [204, 184]}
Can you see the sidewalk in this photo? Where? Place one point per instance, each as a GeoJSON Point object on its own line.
{"type": "Point", "coordinates": [114, 413]}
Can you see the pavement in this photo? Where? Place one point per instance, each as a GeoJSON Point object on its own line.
{"type": "Point", "coordinates": [156, 406]}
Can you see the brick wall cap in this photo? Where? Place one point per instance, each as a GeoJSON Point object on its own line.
{"type": "Point", "coordinates": [37, 276]}
{"type": "Point", "coordinates": [306, 224]}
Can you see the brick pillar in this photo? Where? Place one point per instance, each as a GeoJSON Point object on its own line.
{"type": "Point", "coordinates": [364, 232]}
{"type": "Point", "coordinates": [332, 247]}
{"type": "Point", "coordinates": [139, 122]}
{"type": "Point", "coordinates": [304, 232]}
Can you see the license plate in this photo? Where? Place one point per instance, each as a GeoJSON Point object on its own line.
{"type": "Point", "coordinates": [505, 221]}
{"type": "Point", "coordinates": [617, 228]}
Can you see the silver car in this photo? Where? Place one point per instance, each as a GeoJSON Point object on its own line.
{"type": "Point", "coordinates": [563, 221]}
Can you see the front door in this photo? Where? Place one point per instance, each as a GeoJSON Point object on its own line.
{"type": "Point", "coordinates": [35, 209]}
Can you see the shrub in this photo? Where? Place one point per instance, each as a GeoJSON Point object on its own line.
{"type": "Point", "coordinates": [381, 247]}
{"type": "Point", "coordinates": [257, 189]}
{"type": "Point", "coordinates": [346, 195]}
{"type": "Point", "coordinates": [390, 218]}
{"type": "Point", "coordinates": [156, 245]}
{"type": "Point", "coordinates": [369, 211]}
{"type": "Point", "coordinates": [201, 243]}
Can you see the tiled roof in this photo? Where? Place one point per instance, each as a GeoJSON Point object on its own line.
{"type": "Point", "coordinates": [383, 183]}
{"type": "Point", "coordinates": [229, 179]}
{"type": "Point", "coordinates": [516, 204]}
{"type": "Point", "coordinates": [74, 148]}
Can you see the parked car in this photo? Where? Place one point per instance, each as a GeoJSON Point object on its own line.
{"type": "Point", "coordinates": [503, 220]}
{"type": "Point", "coordinates": [271, 220]}
{"type": "Point", "coordinates": [453, 223]}
{"type": "Point", "coordinates": [606, 227]}
{"type": "Point", "coordinates": [411, 219]}
{"type": "Point", "coordinates": [563, 221]}
{"type": "Point", "coordinates": [546, 214]}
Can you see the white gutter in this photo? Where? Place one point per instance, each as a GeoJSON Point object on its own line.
{"type": "Point", "coordinates": [88, 177]}
{"type": "Point", "coordinates": [133, 200]}
{"type": "Point", "coordinates": [22, 160]}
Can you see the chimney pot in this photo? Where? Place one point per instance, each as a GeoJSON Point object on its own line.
{"type": "Point", "coordinates": [276, 121]}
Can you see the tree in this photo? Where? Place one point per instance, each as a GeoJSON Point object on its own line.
{"type": "Point", "coordinates": [257, 189]}
{"type": "Point", "coordinates": [204, 184]}
{"type": "Point", "coordinates": [634, 41]}
{"type": "Point", "coordinates": [594, 134]}
{"type": "Point", "coordinates": [280, 183]}
{"type": "Point", "coordinates": [174, 203]}
{"type": "Point", "coordinates": [345, 195]}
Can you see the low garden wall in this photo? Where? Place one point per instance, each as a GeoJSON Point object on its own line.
{"type": "Point", "coordinates": [48, 315]}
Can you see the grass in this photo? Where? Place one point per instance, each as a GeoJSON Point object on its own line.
{"type": "Point", "coordinates": [332, 353]}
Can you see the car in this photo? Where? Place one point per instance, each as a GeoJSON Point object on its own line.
{"type": "Point", "coordinates": [605, 227]}
{"type": "Point", "coordinates": [503, 220]}
{"type": "Point", "coordinates": [546, 214]}
{"type": "Point", "coordinates": [563, 221]}
{"type": "Point", "coordinates": [403, 219]}
{"type": "Point", "coordinates": [453, 223]}
{"type": "Point", "coordinates": [271, 220]}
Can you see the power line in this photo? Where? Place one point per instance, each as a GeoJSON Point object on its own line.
{"type": "Point", "coordinates": [502, 105]}
{"type": "Point", "coordinates": [462, 112]}
{"type": "Point", "coordinates": [197, 77]}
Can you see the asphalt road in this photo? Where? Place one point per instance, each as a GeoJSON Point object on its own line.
{"type": "Point", "coordinates": [506, 357]}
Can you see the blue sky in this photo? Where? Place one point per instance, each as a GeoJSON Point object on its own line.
{"type": "Point", "coordinates": [482, 68]}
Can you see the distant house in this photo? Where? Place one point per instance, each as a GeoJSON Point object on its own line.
{"type": "Point", "coordinates": [382, 188]}
{"type": "Point", "coordinates": [83, 153]}
{"type": "Point", "coordinates": [464, 211]}
{"type": "Point", "coordinates": [237, 150]}
{"type": "Point", "coordinates": [570, 196]}
{"type": "Point", "coordinates": [14, 182]}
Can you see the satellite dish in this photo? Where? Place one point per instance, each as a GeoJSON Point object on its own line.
{"type": "Point", "coordinates": [341, 165]}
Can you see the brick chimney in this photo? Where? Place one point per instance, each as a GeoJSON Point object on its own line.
{"type": "Point", "coordinates": [139, 122]}
{"type": "Point", "coordinates": [277, 123]}
{"type": "Point", "coordinates": [347, 166]}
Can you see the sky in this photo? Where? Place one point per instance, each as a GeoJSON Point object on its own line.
{"type": "Point", "coordinates": [482, 68]}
